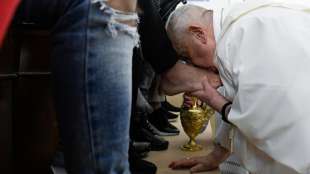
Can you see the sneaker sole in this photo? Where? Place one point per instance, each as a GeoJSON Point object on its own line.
{"type": "Point", "coordinates": [173, 120]}
{"type": "Point", "coordinates": [160, 133]}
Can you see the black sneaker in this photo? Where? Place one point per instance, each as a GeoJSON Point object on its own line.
{"type": "Point", "coordinates": [157, 143]}
{"type": "Point", "coordinates": [171, 116]}
{"type": "Point", "coordinates": [171, 126]}
{"type": "Point", "coordinates": [169, 130]}
{"type": "Point", "coordinates": [141, 148]}
{"type": "Point", "coordinates": [160, 124]}
{"type": "Point", "coordinates": [169, 107]}
{"type": "Point", "coordinates": [139, 166]}
{"type": "Point", "coordinates": [154, 130]}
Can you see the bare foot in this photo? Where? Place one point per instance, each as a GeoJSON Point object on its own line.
{"type": "Point", "coordinates": [186, 78]}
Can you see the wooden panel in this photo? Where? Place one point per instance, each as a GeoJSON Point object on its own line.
{"type": "Point", "coordinates": [9, 54]}
{"type": "Point", "coordinates": [34, 125]}
{"type": "Point", "coordinates": [35, 52]}
{"type": "Point", "coordinates": [9, 58]}
{"type": "Point", "coordinates": [5, 126]}
{"type": "Point", "coordinates": [34, 119]}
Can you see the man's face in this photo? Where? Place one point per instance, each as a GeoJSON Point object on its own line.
{"type": "Point", "coordinates": [201, 47]}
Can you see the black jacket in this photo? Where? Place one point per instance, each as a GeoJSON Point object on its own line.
{"type": "Point", "coordinates": [156, 46]}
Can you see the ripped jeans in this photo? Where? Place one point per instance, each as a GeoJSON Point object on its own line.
{"type": "Point", "coordinates": [92, 68]}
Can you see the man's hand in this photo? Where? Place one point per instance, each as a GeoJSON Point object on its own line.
{"type": "Point", "coordinates": [210, 95]}
{"type": "Point", "coordinates": [188, 101]}
{"type": "Point", "coordinates": [186, 78]}
{"type": "Point", "coordinates": [207, 93]}
{"type": "Point", "coordinates": [203, 163]}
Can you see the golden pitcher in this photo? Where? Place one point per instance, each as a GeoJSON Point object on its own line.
{"type": "Point", "coordinates": [194, 121]}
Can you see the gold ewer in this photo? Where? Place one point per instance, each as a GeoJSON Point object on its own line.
{"type": "Point", "coordinates": [194, 121]}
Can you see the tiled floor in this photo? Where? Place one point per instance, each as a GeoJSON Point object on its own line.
{"type": "Point", "coordinates": [163, 158]}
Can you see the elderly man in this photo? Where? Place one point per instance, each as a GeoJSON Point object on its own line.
{"type": "Point", "coordinates": [263, 59]}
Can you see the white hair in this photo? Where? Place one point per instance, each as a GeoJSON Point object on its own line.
{"type": "Point", "coordinates": [179, 21]}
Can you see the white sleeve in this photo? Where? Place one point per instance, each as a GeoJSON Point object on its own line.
{"type": "Point", "coordinates": [266, 72]}
{"type": "Point", "coordinates": [222, 133]}
{"type": "Point", "coordinates": [223, 129]}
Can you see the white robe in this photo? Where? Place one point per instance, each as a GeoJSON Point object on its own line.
{"type": "Point", "coordinates": [264, 61]}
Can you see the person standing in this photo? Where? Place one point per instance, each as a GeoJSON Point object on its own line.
{"type": "Point", "coordinates": [92, 43]}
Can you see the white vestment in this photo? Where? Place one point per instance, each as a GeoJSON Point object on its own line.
{"type": "Point", "coordinates": [264, 61]}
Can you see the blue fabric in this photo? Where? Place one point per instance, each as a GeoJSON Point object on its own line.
{"type": "Point", "coordinates": [91, 66]}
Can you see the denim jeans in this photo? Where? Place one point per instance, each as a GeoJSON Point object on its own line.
{"type": "Point", "coordinates": [91, 67]}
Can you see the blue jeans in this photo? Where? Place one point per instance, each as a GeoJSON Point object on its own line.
{"type": "Point", "coordinates": [91, 66]}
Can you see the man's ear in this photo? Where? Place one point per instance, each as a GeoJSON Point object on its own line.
{"type": "Point", "coordinates": [198, 33]}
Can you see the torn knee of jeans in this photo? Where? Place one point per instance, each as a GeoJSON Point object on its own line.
{"type": "Point", "coordinates": [121, 5]}
{"type": "Point", "coordinates": [127, 18]}
{"type": "Point", "coordinates": [118, 21]}
{"type": "Point", "coordinates": [131, 23]}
